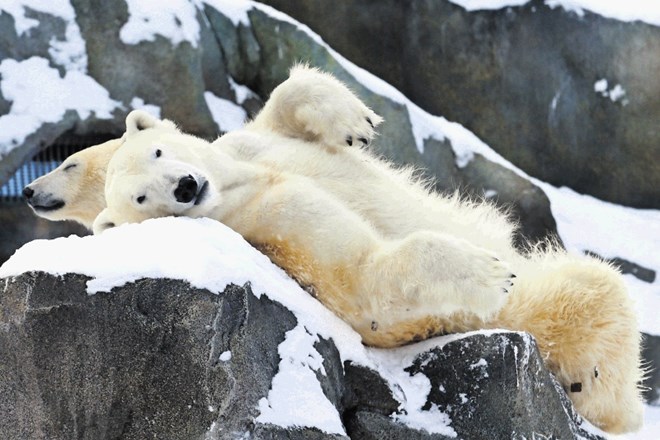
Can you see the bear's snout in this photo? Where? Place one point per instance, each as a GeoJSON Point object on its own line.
{"type": "Point", "coordinates": [186, 190]}
{"type": "Point", "coordinates": [28, 192]}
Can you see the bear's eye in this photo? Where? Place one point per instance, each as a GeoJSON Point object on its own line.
{"type": "Point", "coordinates": [68, 167]}
{"type": "Point", "coordinates": [141, 199]}
{"type": "Point", "coordinates": [158, 153]}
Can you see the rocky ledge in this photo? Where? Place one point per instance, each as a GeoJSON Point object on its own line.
{"type": "Point", "coordinates": [158, 358]}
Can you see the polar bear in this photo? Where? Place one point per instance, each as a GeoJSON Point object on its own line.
{"type": "Point", "coordinates": [73, 190]}
{"type": "Point", "coordinates": [328, 228]}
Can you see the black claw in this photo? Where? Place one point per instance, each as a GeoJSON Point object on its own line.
{"type": "Point", "coordinates": [349, 141]}
{"type": "Point", "coordinates": [370, 123]}
{"type": "Point", "coordinates": [364, 141]}
{"type": "Point", "coordinates": [513, 275]}
{"type": "Point", "coordinates": [505, 291]}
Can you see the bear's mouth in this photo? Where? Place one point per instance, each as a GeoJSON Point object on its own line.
{"type": "Point", "coordinates": [201, 194]}
{"type": "Point", "coordinates": [46, 207]}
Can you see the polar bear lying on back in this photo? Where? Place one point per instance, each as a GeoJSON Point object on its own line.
{"type": "Point", "coordinates": [576, 307]}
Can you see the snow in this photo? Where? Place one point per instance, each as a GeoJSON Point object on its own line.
{"type": "Point", "coordinates": [39, 95]}
{"type": "Point", "coordinates": [225, 113]}
{"type": "Point", "coordinates": [175, 20]}
{"type": "Point", "coordinates": [647, 11]}
{"type": "Point", "coordinates": [616, 93]}
{"type": "Point", "coordinates": [225, 356]}
{"type": "Point", "coordinates": [282, 406]}
{"type": "Point", "coordinates": [243, 93]}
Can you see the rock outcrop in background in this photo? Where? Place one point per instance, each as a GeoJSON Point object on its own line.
{"type": "Point", "coordinates": [573, 100]}
{"type": "Point", "coordinates": [160, 359]}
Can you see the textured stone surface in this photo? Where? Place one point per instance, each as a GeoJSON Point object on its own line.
{"type": "Point", "coordinates": [651, 359]}
{"type": "Point", "coordinates": [528, 95]}
{"type": "Point", "coordinates": [144, 362]}
{"type": "Point", "coordinates": [493, 386]}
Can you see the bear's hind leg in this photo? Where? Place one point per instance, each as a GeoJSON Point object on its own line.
{"type": "Point", "coordinates": [432, 274]}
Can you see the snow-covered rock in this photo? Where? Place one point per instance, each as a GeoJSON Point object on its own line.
{"type": "Point", "coordinates": [161, 336]}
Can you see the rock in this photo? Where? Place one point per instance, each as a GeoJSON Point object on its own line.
{"type": "Point", "coordinates": [628, 267]}
{"type": "Point", "coordinates": [475, 398]}
{"type": "Point", "coordinates": [651, 360]}
{"type": "Point", "coordinates": [20, 225]}
{"type": "Point", "coordinates": [530, 97]}
{"type": "Point", "coordinates": [160, 359]}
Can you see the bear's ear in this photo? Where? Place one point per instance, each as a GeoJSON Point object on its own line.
{"type": "Point", "coordinates": [139, 120]}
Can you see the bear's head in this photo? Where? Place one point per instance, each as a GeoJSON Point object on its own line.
{"type": "Point", "coordinates": [157, 172]}
{"type": "Point", "coordinates": [73, 190]}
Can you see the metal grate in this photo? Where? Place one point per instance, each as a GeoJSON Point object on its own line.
{"type": "Point", "coordinates": [45, 161]}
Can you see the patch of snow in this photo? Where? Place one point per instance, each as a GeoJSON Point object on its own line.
{"type": "Point", "coordinates": [243, 93]}
{"type": "Point", "coordinates": [647, 11]}
{"type": "Point", "coordinates": [225, 113]}
{"type": "Point", "coordinates": [225, 356]}
{"type": "Point", "coordinates": [600, 86]}
{"type": "Point", "coordinates": [649, 430]}
{"type": "Point", "coordinates": [481, 5]}
{"type": "Point", "coordinates": [617, 92]}
{"type": "Point", "coordinates": [490, 193]}
{"type": "Point", "coordinates": [235, 10]}
{"type": "Point", "coordinates": [175, 20]}
{"type": "Point", "coordinates": [39, 95]}
{"type": "Point", "coordinates": [296, 382]}
{"type": "Point", "coordinates": [139, 104]}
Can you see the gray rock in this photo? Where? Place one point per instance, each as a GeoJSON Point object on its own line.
{"type": "Point", "coordinates": [144, 362]}
{"type": "Point", "coordinates": [498, 387]}
{"type": "Point", "coordinates": [20, 225]}
{"type": "Point", "coordinates": [529, 96]}
{"type": "Point", "coordinates": [651, 361]}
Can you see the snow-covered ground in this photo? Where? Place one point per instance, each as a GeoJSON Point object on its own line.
{"type": "Point", "coordinates": [584, 223]}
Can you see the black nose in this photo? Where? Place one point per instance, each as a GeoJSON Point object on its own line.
{"type": "Point", "coordinates": [28, 192]}
{"type": "Point", "coordinates": [186, 191]}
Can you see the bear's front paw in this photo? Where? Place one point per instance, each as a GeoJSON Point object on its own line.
{"type": "Point", "coordinates": [360, 129]}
